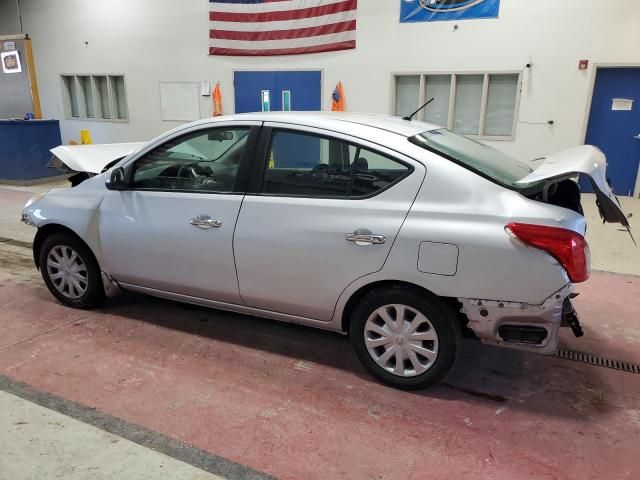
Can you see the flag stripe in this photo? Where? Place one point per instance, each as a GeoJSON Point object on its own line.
{"type": "Point", "coordinates": [247, 2]}
{"type": "Point", "coordinates": [284, 43]}
{"type": "Point", "coordinates": [284, 51]}
{"type": "Point", "coordinates": [283, 15]}
{"type": "Point", "coordinates": [272, 6]}
{"type": "Point", "coordinates": [281, 27]}
{"type": "Point", "coordinates": [286, 25]}
{"type": "Point", "coordinates": [282, 34]}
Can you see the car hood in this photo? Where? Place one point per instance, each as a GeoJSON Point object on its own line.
{"type": "Point", "coordinates": [90, 158]}
{"type": "Point", "coordinates": [584, 160]}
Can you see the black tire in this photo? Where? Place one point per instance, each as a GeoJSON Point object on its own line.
{"type": "Point", "coordinates": [94, 290]}
{"type": "Point", "coordinates": [441, 317]}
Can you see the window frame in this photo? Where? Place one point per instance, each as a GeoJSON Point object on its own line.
{"type": "Point", "coordinates": [80, 79]}
{"type": "Point", "coordinates": [244, 169]}
{"type": "Point", "coordinates": [452, 98]}
{"type": "Point", "coordinates": [261, 161]}
{"type": "Point", "coordinates": [65, 81]}
{"type": "Point", "coordinates": [97, 104]}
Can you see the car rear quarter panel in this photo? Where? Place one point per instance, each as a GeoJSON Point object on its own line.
{"type": "Point", "coordinates": [457, 207]}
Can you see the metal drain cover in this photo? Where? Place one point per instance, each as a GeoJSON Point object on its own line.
{"type": "Point", "coordinates": [628, 367]}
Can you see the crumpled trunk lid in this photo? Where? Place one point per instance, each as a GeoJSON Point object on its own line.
{"type": "Point", "coordinates": [584, 160]}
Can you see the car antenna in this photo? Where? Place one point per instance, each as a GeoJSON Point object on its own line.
{"type": "Point", "coordinates": [410, 117]}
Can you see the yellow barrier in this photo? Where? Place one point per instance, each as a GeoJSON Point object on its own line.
{"type": "Point", "coordinates": [85, 137]}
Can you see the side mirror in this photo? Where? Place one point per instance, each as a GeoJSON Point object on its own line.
{"type": "Point", "coordinates": [116, 180]}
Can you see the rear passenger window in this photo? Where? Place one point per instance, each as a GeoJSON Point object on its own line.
{"type": "Point", "coordinates": [308, 165]}
{"type": "Point", "coordinates": [373, 172]}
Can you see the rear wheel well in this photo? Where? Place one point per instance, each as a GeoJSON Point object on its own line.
{"type": "Point", "coordinates": [362, 291]}
{"type": "Point", "coordinates": [50, 229]}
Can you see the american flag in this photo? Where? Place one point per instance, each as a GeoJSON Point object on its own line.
{"type": "Point", "coordinates": [281, 27]}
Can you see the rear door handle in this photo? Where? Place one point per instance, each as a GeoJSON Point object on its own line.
{"type": "Point", "coordinates": [364, 237]}
{"type": "Point", "coordinates": [205, 222]}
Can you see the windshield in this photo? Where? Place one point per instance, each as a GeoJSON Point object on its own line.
{"type": "Point", "coordinates": [475, 156]}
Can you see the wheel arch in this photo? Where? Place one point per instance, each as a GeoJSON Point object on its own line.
{"type": "Point", "coordinates": [50, 229]}
{"type": "Point", "coordinates": [356, 296]}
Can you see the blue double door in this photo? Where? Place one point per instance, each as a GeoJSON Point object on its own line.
{"type": "Point", "coordinates": [614, 126]}
{"type": "Point", "coordinates": [287, 90]}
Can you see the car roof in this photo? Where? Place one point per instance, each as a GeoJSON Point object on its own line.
{"type": "Point", "coordinates": [397, 125]}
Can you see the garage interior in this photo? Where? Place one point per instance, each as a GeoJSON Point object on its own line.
{"type": "Point", "coordinates": [148, 388]}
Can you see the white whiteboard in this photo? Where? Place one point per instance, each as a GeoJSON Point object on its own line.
{"type": "Point", "coordinates": [179, 101]}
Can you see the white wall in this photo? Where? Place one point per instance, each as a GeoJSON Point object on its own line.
{"type": "Point", "coordinates": [166, 40]}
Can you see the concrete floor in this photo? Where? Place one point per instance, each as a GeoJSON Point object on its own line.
{"type": "Point", "coordinates": [58, 446]}
{"type": "Point", "coordinates": [248, 398]}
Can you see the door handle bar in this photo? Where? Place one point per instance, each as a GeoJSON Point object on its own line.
{"type": "Point", "coordinates": [372, 239]}
{"type": "Point", "coordinates": [205, 222]}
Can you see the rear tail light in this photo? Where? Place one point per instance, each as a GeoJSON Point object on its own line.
{"type": "Point", "coordinates": [566, 246]}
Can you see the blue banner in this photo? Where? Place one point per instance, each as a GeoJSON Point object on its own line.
{"type": "Point", "coordinates": [436, 10]}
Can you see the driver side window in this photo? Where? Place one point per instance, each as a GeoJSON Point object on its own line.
{"type": "Point", "coordinates": [203, 161]}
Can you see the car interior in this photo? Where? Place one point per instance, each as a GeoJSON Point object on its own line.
{"type": "Point", "coordinates": [326, 168]}
{"type": "Point", "coordinates": [202, 161]}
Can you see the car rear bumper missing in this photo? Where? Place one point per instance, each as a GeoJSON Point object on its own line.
{"type": "Point", "coordinates": [521, 325]}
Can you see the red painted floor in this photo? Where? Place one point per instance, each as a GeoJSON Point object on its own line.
{"type": "Point", "coordinates": [294, 402]}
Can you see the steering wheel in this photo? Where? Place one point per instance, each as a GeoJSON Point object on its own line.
{"type": "Point", "coordinates": [186, 174]}
{"type": "Point", "coordinates": [192, 173]}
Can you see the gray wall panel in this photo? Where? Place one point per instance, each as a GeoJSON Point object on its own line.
{"type": "Point", "coordinates": [15, 91]}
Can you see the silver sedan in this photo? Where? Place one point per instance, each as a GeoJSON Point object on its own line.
{"type": "Point", "coordinates": [401, 234]}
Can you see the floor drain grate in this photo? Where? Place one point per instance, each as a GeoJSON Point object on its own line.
{"type": "Point", "coordinates": [599, 361]}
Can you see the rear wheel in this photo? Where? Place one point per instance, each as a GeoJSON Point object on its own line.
{"type": "Point", "coordinates": [405, 337]}
{"type": "Point", "coordinates": [70, 271]}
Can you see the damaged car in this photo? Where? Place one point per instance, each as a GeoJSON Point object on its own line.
{"type": "Point", "coordinates": [399, 233]}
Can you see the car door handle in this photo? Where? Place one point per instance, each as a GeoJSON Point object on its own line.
{"type": "Point", "coordinates": [637, 137]}
{"type": "Point", "coordinates": [205, 222]}
{"type": "Point", "coordinates": [360, 238]}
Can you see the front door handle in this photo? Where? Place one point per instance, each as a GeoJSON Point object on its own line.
{"type": "Point", "coordinates": [205, 222]}
{"type": "Point", "coordinates": [637, 137]}
{"type": "Point", "coordinates": [365, 237]}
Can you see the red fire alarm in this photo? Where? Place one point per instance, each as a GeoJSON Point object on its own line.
{"type": "Point", "coordinates": [583, 64]}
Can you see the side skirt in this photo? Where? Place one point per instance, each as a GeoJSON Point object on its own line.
{"type": "Point", "coordinates": [230, 307]}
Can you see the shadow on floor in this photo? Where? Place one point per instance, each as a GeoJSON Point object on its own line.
{"type": "Point", "coordinates": [500, 377]}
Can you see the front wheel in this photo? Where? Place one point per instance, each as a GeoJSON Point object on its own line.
{"type": "Point", "coordinates": [70, 271]}
{"type": "Point", "coordinates": [406, 338]}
